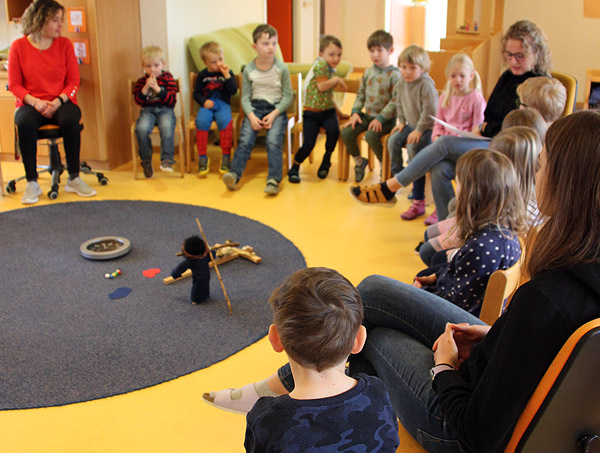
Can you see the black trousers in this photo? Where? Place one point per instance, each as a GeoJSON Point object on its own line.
{"type": "Point", "coordinates": [28, 121]}
{"type": "Point", "coordinates": [312, 123]}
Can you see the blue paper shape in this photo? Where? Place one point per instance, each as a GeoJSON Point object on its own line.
{"type": "Point", "coordinates": [119, 293]}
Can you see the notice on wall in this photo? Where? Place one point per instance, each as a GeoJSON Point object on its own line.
{"type": "Point", "coordinates": [76, 20]}
{"type": "Point", "coordinates": [82, 50]}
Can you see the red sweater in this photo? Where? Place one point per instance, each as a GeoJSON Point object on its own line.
{"type": "Point", "coordinates": [45, 74]}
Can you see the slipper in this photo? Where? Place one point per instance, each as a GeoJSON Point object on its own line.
{"type": "Point", "coordinates": [238, 401]}
{"type": "Point", "coordinates": [371, 195]}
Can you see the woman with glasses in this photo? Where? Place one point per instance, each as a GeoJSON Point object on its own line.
{"type": "Point", "coordinates": [526, 53]}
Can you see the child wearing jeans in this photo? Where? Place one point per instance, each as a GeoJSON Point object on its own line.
{"type": "Point", "coordinates": [416, 100]}
{"type": "Point", "coordinates": [317, 316]}
{"type": "Point", "coordinates": [156, 93]}
{"type": "Point", "coordinates": [215, 85]}
{"type": "Point", "coordinates": [319, 107]}
{"type": "Point", "coordinates": [375, 96]}
{"type": "Point", "coordinates": [266, 96]}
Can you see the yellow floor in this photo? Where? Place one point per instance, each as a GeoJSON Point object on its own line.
{"type": "Point", "coordinates": [319, 217]}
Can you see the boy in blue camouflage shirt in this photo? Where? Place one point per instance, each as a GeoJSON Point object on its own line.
{"type": "Point", "coordinates": [317, 316]}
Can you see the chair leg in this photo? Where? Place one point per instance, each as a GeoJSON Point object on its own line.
{"type": "Point", "coordinates": [386, 164]}
{"type": "Point", "coordinates": [182, 162]}
{"type": "Point", "coordinates": [134, 154]}
{"type": "Point", "coordinates": [188, 144]}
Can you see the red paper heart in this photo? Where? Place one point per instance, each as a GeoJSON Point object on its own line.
{"type": "Point", "coordinates": [151, 273]}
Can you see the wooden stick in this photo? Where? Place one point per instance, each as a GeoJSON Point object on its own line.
{"type": "Point", "coordinates": [216, 268]}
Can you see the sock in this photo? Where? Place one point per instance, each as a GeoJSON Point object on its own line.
{"type": "Point", "coordinates": [201, 142]}
{"type": "Point", "coordinates": [358, 160]}
{"type": "Point", "coordinates": [226, 136]}
{"type": "Point", "coordinates": [385, 190]}
{"type": "Point", "coordinates": [263, 389]}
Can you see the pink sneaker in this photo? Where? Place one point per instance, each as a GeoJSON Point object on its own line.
{"type": "Point", "coordinates": [432, 219]}
{"type": "Point", "coordinates": [417, 209]}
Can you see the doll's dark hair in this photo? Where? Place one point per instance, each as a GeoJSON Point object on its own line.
{"type": "Point", "coordinates": [194, 245]}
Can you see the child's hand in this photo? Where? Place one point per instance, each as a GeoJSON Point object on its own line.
{"type": "Point", "coordinates": [375, 125]}
{"type": "Point", "coordinates": [224, 70]}
{"type": "Point", "coordinates": [413, 137]}
{"type": "Point", "coordinates": [267, 120]}
{"type": "Point", "coordinates": [426, 280]}
{"type": "Point", "coordinates": [153, 84]}
{"type": "Point", "coordinates": [341, 83]}
{"type": "Point", "coordinates": [434, 138]}
{"type": "Point", "coordinates": [477, 129]}
{"type": "Point", "coordinates": [208, 104]}
{"type": "Point", "coordinates": [355, 118]}
{"type": "Point", "coordinates": [397, 128]}
{"type": "Point", "coordinates": [255, 123]}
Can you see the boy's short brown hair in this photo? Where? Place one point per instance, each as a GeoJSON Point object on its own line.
{"type": "Point", "coordinates": [210, 47]}
{"type": "Point", "coordinates": [329, 39]}
{"type": "Point", "coordinates": [414, 54]}
{"type": "Point", "coordinates": [153, 52]}
{"type": "Point", "coordinates": [545, 94]}
{"type": "Point", "coordinates": [317, 312]}
{"type": "Point", "coordinates": [263, 29]}
{"type": "Point", "coordinates": [380, 38]}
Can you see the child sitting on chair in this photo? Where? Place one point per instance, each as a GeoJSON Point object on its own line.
{"type": "Point", "coordinates": [156, 93]}
{"type": "Point", "coordinates": [215, 85]}
{"type": "Point", "coordinates": [196, 252]}
{"type": "Point", "coordinates": [317, 317]}
{"type": "Point", "coordinates": [319, 107]}
{"type": "Point", "coordinates": [266, 96]}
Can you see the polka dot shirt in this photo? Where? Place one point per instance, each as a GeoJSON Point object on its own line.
{"type": "Point", "coordinates": [464, 280]}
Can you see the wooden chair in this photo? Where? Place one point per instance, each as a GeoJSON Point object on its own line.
{"type": "Point", "coordinates": [570, 84]}
{"type": "Point", "coordinates": [179, 128]}
{"type": "Point", "coordinates": [190, 130]}
{"type": "Point", "coordinates": [501, 286]}
{"type": "Point", "coordinates": [1, 181]}
{"type": "Point", "coordinates": [592, 77]}
{"type": "Point", "coordinates": [343, 156]}
{"type": "Point", "coordinates": [563, 414]}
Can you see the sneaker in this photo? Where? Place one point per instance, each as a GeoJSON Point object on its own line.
{"type": "Point", "coordinates": [418, 247]}
{"type": "Point", "coordinates": [293, 176]}
{"type": "Point", "coordinates": [323, 170]}
{"type": "Point", "coordinates": [359, 170]}
{"type": "Point", "coordinates": [417, 209]}
{"type": "Point", "coordinates": [230, 179]}
{"type": "Point", "coordinates": [32, 192]}
{"type": "Point", "coordinates": [167, 166]}
{"type": "Point", "coordinates": [148, 170]}
{"type": "Point", "coordinates": [370, 195]}
{"type": "Point", "coordinates": [432, 219]}
{"type": "Point", "coordinates": [78, 186]}
{"type": "Point", "coordinates": [203, 163]}
{"type": "Point", "coordinates": [225, 163]}
{"type": "Point", "coordinates": [272, 187]}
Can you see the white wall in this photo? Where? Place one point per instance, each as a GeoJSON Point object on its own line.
{"type": "Point", "coordinates": [8, 31]}
{"type": "Point", "coordinates": [573, 39]}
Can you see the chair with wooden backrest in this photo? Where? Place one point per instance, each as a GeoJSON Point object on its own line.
{"type": "Point", "coordinates": [592, 77]}
{"type": "Point", "coordinates": [570, 84]}
{"type": "Point", "coordinates": [179, 128]}
{"type": "Point", "coordinates": [563, 413]}
{"type": "Point", "coordinates": [343, 156]}
{"type": "Point", "coordinates": [1, 181]}
{"type": "Point", "coordinates": [190, 130]}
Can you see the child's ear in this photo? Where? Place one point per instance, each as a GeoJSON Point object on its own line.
{"type": "Point", "coordinates": [274, 338]}
{"type": "Point", "coordinates": [359, 341]}
{"type": "Point", "coordinates": [391, 51]}
{"type": "Point", "coordinates": [254, 45]}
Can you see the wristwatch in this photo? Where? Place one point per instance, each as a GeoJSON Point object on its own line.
{"type": "Point", "coordinates": [439, 368]}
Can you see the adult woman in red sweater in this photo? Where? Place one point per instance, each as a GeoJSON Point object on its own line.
{"type": "Point", "coordinates": [44, 76]}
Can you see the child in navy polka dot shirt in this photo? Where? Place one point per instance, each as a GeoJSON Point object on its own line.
{"type": "Point", "coordinates": [490, 214]}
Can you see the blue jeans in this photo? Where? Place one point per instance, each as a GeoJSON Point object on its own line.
{"type": "Point", "coordinates": [220, 113]}
{"type": "Point", "coordinates": [395, 144]}
{"type": "Point", "coordinates": [163, 117]}
{"type": "Point", "coordinates": [440, 157]}
{"type": "Point", "coordinates": [403, 323]}
{"type": "Point", "coordinates": [274, 141]}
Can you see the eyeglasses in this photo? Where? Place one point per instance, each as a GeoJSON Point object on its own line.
{"type": "Point", "coordinates": [520, 103]}
{"type": "Point", "coordinates": [518, 56]}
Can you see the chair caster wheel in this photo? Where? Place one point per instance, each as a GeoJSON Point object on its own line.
{"type": "Point", "coordinates": [85, 167]}
{"type": "Point", "coordinates": [102, 179]}
{"type": "Point", "coordinates": [11, 187]}
{"type": "Point", "coordinates": [53, 194]}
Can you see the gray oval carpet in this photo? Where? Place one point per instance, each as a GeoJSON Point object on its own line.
{"type": "Point", "coordinates": [63, 340]}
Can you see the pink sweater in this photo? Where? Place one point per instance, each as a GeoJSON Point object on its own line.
{"type": "Point", "coordinates": [44, 74]}
{"type": "Point", "coordinates": [463, 112]}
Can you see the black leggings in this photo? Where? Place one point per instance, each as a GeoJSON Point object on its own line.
{"type": "Point", "coordinates": [312, 122]}
{"type": "Point", "coordinates": [28, 121]}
